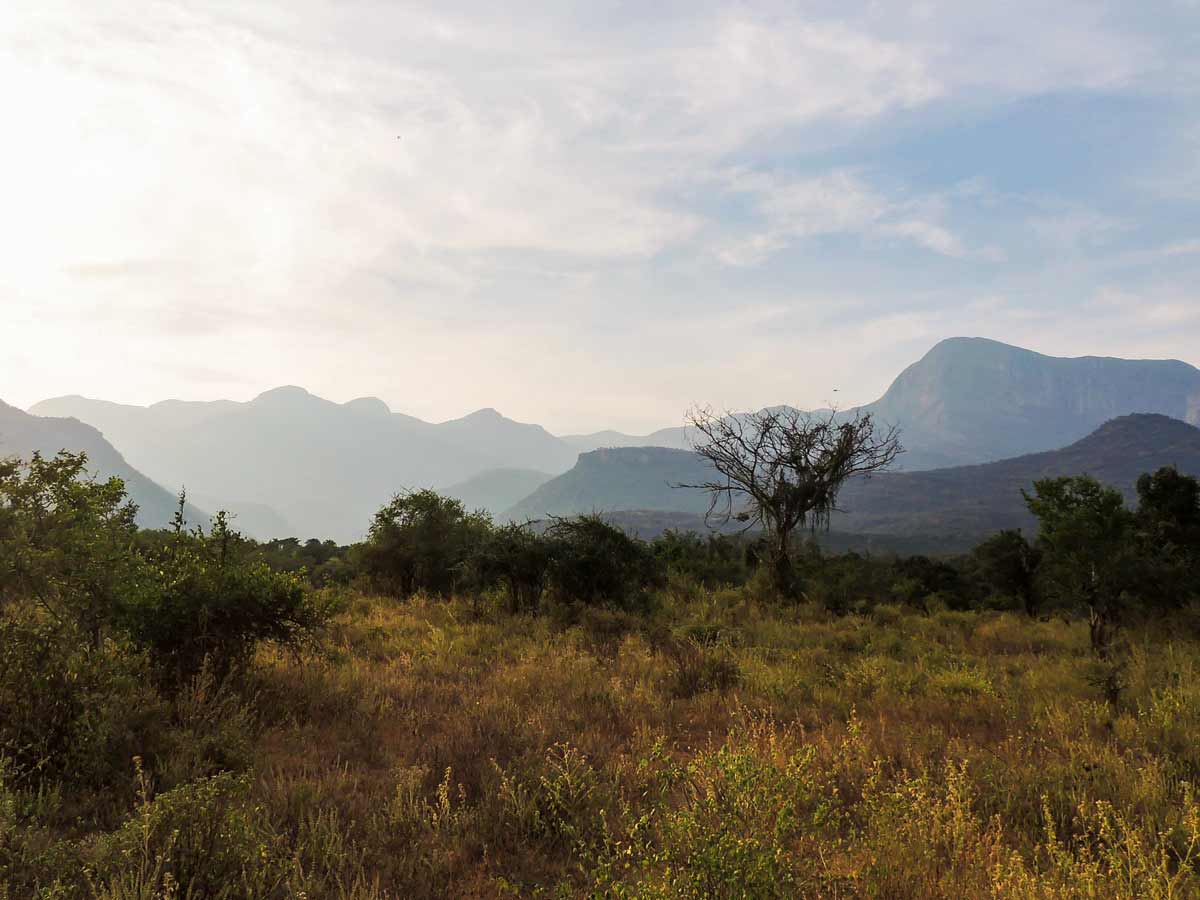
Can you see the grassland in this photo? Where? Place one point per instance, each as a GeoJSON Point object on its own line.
{"type": "Point", "coordinates": [720, 747]}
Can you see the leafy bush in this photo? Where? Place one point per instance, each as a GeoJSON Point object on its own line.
{"type": "Point", "coordinates": [70, 715]}
{"type": "Point", "coordinates": [712, 561]}
{"type": "Point", "coordinates": [594, 562]}
{"type": "Point", "coordinates": [421, 541]}
{"type": "Point", "coordinates": [204, 839]}
{"type": "Point", "coordinates": [519, 559]}
{"type": "Point", "coordinates": [66, 541]}
{"type": "Point", "coordinates": [207, 601]}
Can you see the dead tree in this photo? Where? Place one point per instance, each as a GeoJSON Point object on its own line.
{"type": "Point", "coordinates": [782, 469]}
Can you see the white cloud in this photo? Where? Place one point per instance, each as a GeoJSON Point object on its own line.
{"type": "Point", "coordinates": [356, 195]}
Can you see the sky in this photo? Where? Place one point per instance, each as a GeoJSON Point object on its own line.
{"type": "Point", "coordinates": [586, 215]}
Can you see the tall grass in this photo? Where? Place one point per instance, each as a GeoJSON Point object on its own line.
{"type": "Point", "coordinates": [720, 747]}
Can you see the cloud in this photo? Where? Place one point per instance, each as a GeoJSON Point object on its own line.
{"type": "Point", "coordinates": [842, 202]}
{"type": "Point", "coordinates": [468, 204]}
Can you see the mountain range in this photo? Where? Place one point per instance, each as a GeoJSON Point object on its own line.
{"type": "Point", "coordinates": [950, 507]}
{"type": "Point", "coordinates": [290, 462]}
{"type": "Point", "coordinates": [22, 435]}
{"type": "Point", "coordinates": [323, 467]}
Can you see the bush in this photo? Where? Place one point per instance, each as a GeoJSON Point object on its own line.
{"type": "Point", "coordinates": [713, 561]}
{"type": "Point", "coordinates": [517, 558]}
{"type": "Point", "coordinates": [66, 541]}
{"type": "Point", "coordinates": [70, 716]}
{"type": "Point", "coordinates": [204, 839]}
{"type": "Point", "coordinates": [208, 601]}
{"type": "Point", "coordinates": [421, 541]}
{"type": "Point", "coordinates": [594, 562]}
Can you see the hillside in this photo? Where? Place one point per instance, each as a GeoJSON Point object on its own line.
{"type": "Point", "coordinates": [975, 500]}
{"type": "Point", "coordinates": [959, 502]}
{"type": "Point", "coordinates": [22, 434]}
{"type": "Point", "coordinates": [322, 467]}
{"type": "Point", "coordinates": [497, 489]}
{"type": "Point", "coordinates": [675, 438]}
{"type": "Point", "coordinates": [972, 400]}
{"type": "Point", "coordinates": [625, 478]}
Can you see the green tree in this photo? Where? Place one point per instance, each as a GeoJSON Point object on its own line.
{"type": "Point", "coordinates": [1169, 507]}
{"type": "Point", "coordinates": [595, 562]}
{"type": "Point", "coordinates": [211, 601]}
{"type": "Point", "coordinates": [1007, 563]}
{"type": "Point", "coordinates": [1087, 537]}
{"type": "Point", "coordinates": [67, 541]}
{"type": "Point", "coordinates": [1168, 519]}
{"type": "Point", "coordinates": [518, 558]}
{"type": "Point", "coordinates": [422, 541]}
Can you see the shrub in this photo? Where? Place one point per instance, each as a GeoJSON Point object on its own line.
{"type": "Point", "coordinates": [595, 562]}
{"type": "Point", "coordinates": [421, 541]}
{"type": "Point", "coordinates": [696, 668]}
{"type": "Point", "coordinates": [517, 558]}
{"type": "Point", "coordinates": [205, 839]}
{"type": "Point", "coordinates": [66, 541]}
{"type": "Point", "coordinates": [208, 601]}
{"type": "Point", "coordinates": [70, 715]}
{"type": "Point", "coordinates": [712, 561]}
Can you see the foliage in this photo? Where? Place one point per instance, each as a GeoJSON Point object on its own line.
{"type": "Point", "coordinates": [1087, 537]}
{"type": "Point", "coordinates": [70, 714]}
{"type": "Point", "coordinates": [712, 560]}
{"type": "Point", "coordinates": [66, 541]}
{"type": "Point", "coordinates": [208, 601]}
{"type": "Point", "coordinates": [421, 541]}
{"type": "Point", "coordinates": [1007, 564]}
{"type": "Point", "coordinates": [518, 558]}
{"type": "Point", "coordinates": [1168, 522]}
{"type": "Point", "coordinates": [594, 562]}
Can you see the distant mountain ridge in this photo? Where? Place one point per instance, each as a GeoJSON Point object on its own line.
{"type": "Point", "coordinates": [291, 459]}
{"type": "Point", "coordinates": [323, 468]}
{"type": "Point", "coordinates": [496, 490]}
{"type": "Point", "coordinates": [971, 400]}
{"type": "Point", "coordinates": [961, 503]}
{"type": "Point", "coordinates": [22, 434]}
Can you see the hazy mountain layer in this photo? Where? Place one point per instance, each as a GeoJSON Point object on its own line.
{"type": "Point", "coordinates": [971, 400]}
{"type": "Point", "coordinates": [497, 489]}
{"type": "Point", "coordinates": [22, 434]}
{"type": "Point", "coordinates": [323, 468]}
{"type": "Point", "coordinates": [965, 501]}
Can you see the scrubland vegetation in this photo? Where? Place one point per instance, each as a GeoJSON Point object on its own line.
{"type": "Point", "coordinates": [456, 709]}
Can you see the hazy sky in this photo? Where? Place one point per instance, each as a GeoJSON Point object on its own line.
{"type": "Point", "coordinates": [591, 216]}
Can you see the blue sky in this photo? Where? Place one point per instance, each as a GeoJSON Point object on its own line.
{"type": "Point", "coordinates": [587, 216]}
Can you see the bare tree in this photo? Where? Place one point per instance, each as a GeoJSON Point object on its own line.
{"type": "Point", "coordinates": [782, 469]}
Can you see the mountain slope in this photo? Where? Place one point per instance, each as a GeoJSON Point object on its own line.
{"type": "Point", "coordinates": [675, 438]}
{"type": "Point", "coordinates": [324, 467]}
{"type": "Point", "coordinates": [974, 400]}
{"type": "Point", "coordinates": [640, 478]}
{"type": "Point", "coordinates": [22, 434]}
{"type": "Point", "coordinates": [965, 502]}
{"type": "Point", "coordinates": [976, 500]}
{"type": "Point", "coordinates": [497, 489]}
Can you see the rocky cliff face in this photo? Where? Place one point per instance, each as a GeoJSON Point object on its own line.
{"type": "Point", "coordinates": [973, 400]}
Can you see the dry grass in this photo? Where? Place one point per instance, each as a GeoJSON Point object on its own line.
{"type": "Point", "coordinates": [726, 749]}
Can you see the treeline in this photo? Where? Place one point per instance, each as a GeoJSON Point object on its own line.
{"type": "Point", "coordinates": [1092, 556]}
{"type": "Point", "coordinates": [118, 644]}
